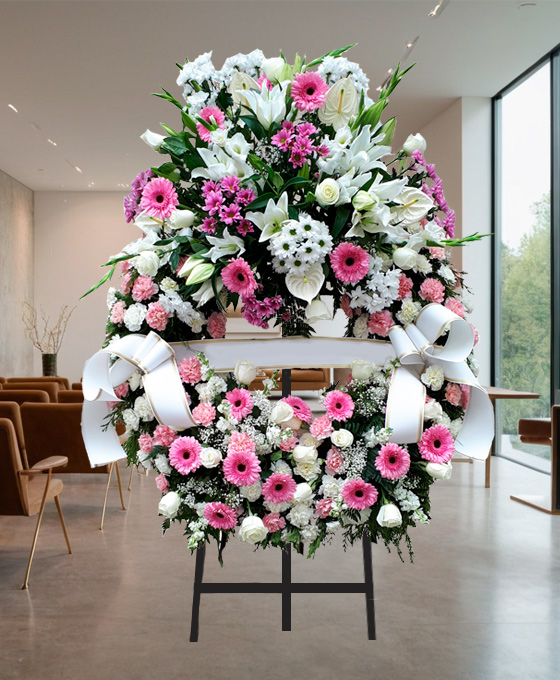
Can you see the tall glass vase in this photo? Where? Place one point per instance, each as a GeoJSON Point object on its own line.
{"type": "Point", "coordinates": [49, 364]}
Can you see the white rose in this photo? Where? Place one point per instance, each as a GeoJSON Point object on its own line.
{"type": "Point", "coordinates": [304, 454]}
{"type": "Point", "coordinates": [342, 438]}
{"type": "Point", "coordinates": [361, 326]}
{"type": "Point", "coordinates": [251, 493]}
{"type": "Point", "coordinates": [252, 530]}
{"type": "Point", "coordinates": [414, 143]}
{"type": "Point", "coordinates": [303, 493]}
{"type": "Point", "coordinates": [361, 369]}
{"type": "Point", "coordinates": [209, 457]}
{"type": "Point", "coordinates": [147, 263]}
{"type": "Point", "coordinates": [433, 377]}
{"type": "Point", "coordinates": [152, 139]}
{"type": "Point", "coordinates": [432, 410]}
{"type": "Point", "coordinates": [439, 470]}
{"type": "Point", "coordinates": [281, 413]}
{"type": "Point", "coordinates": [273, 68]}
{"type": "Point", "coordinates": [181, 219]}
{"type": "Point", "coordinates": [317, 310]}
{"type": "Point", "coordinates": [245, 371]}
{"type": "Point", "coordinates": [134, 317]}
{"type": "Point", "coordinates": [404, 258]}
{"type": "Point", "coordinates": [327, 192]}
{"type": "Point", "coordinates": [169, 504]}
{"type": "Point", "coordinates": [389, 516]}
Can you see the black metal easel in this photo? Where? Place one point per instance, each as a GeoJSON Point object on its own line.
{"type": "Point", "coordinates": [286, 587]}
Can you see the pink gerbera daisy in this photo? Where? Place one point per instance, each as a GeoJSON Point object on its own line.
{"type": "Point", "coordinates": [159, 198]}
{"type": "Point", "coordinates": [220, 515]}
{"type": "Point", "coordinates": [238, 277]}
{"type": "Point", "coordinates": [437, 444]}
{"type": "Point", "coordinates": [241, 468]}
{"type": "Point", "coordinates": [241, 402]}
{"type": "Point", "coordinates": [301, 409]}
{"type": "Point", "coordinates": [279, 488]}
{"type": "Point", "coordinates": [392, 461]}
{"type": "Point", "coordinates": [358, 494]}
{"type": "Point", "coordinates": [212, 115]}
{"type": "Point", "coordinates": [350, 263]}
{"type": "Point", "coordinates": [339, 405]}
{"type": "Point", "coordinates": [184, 454]}
{"type": "Point", "coordinates": [273, 522]}
{"type": "Point", "coordinates": [321, 427]}
{"type": "Point", "coordinates": [309, 91]}
{"type": "Point", "coordinates": [204, 414]}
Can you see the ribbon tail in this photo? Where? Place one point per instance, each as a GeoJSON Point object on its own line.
{"type": "Point", "coordinates": [405, 407]}
{"type": "Point", "coordinates": [102, 446]}
{"type": "Point", "coordinates": [165, 392]}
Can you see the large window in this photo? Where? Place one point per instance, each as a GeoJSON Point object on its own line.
{"type": "Point", "coordinates": [524, 270]}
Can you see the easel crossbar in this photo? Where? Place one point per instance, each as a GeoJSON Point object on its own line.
{"type": "Point", "coordinates": [279, 588]}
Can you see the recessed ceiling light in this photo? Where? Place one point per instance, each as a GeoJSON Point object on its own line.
{"type": "Point", "coordinates": [35, 126]}
{"type": "Point", "coordinates": [410, 45]}
{"type": "Point", "coordinates": [524, 5]}
{"type": "Point", "coordinates": [379, 88]}
{"type": "Point", "coordinates": [438, 9]}
{"type": "Point", "coordinates": [11, 106]}
{"type": "Point", "coordinates": [78, 169]}
{"type": "Point", "coordinates": [50, 141]}
{"type": "Point", "coordinates": [40, 170]}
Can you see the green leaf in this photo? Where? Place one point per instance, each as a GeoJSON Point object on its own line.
{"type": "Point", "coordinates": [295, 181]}
{"type": "Point", "coordinates": [304, 172]}
{"type": "Point", "coordinates": [334, 53]}
{"type": "Point", "coordinates": [189, 122]}
{"type": "Point", "coordinates": [340, 220]}
{"type": "Point", "coordinates": [253, 124]}
{"type": "Point", "coordinates": [260, 202]}
{"type": "Point", "coordinates": [174, 259]}
{"type": "Point", "coordinates": [107, 276]}
{"type": "Point", "coordinates": [371, 115]}
{"type": "Point", "coordinates": [277, 180]}
{"type": "Point", "coordinates": [170, 131]}
{"type": "Point", "coordinates": [176, 145]}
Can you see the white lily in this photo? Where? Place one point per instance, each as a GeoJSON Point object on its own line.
{"type": "Point", "coordinates": [349, 185]}
{"type": "Point", "coordinates": [218, 164]}
{"type": "Point", "coordinates": [414, 205]}
{"type": "Point", "coordinates": [206, 291]}
{"type": "Point", "coordinates": [240, 83]}
{"type": "Point", "coordinates": [306, 286]}
{"type": "Point", "coordinates": [152, 139]}
{"type": "Point", "coordinates": [238, 147]}
{"type": "Point", "coordinates": [269, 106]}
{"type": "Point", "coordinates": [431, 232]}
{"type": "Point", "coordinates": [341, 104]}
{"type": "Point", "coordinates": [317, 311]}
{"type": "Point", "coordinates": [228, 245]}
{"type": "Point", "coordinates": [146, 223]}
{"type": "Point", "coordinates": [270, 222]}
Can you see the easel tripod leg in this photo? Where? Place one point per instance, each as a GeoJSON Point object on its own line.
{"type": "Point", "coordinates": [198, 574]}
{"type": "Point", "coordinates": [287, 588]}
{"type": "Point", "coordinates": [368, 580]}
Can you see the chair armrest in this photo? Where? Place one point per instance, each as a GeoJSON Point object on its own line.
{"type": "Point", "coordinates": [46, 464]}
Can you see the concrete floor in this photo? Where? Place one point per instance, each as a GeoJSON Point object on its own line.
{"type": "Point", "coordinates": [482, 600]}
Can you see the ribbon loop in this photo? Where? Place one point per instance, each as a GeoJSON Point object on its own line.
{"type": "Point", "coordinates": [152, 352]}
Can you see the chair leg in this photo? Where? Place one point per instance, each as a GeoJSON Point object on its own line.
{"type": "Point", "coordinates": [25, 585]}
{"type": "Point", "coordinates": [61, 517]}
{"type": "Point", "coordinates": [132, 467]}
{"type": "Point", "coordinates": [111, 465]}
{"type": "Point", "coordinates": [119, 484]}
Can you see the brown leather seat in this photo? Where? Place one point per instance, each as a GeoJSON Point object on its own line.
{"type": "Point", "coordinates": [25, 492]}
{"type": "Point", "coordinates": [63, 382]}
{"type": "Point", "coordinates": [70, 397]}
{"type": "Point", "coordinates": [22, 396]}
{"type": "Point", "coordinates": [50, 387]}
{"type": "Point", "coordinates": [77, 386]}
{"type": "Point", "coordinates": [10, 411]}
{"type": "Point", "coordinates": [535, 431]}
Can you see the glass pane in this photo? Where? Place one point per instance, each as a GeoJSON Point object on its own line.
{"type": "Point", "coordinates": [525, 259]}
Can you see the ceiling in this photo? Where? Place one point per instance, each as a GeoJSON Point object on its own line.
{"type": "Point", "coordinates": [80, 72]}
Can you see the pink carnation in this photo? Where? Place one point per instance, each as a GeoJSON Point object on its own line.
{"type": "Point", "coordinates": [437, 253]}
{"type": "Point", "coordinates": [240, 442]}
{"type": "Point", "coordinates": [238, 277]}
{"type": "Point", "coordinates": [241, 468]}
{"type": "Point", "coordinates": [121, 390]}
{"type": "Point", "coordinates": [190, 370]}
{"type": "Point", "coordinates": [437, 444]}
{"type": "Point", "coordinates": [405, 287]}
{"type": "Point", "coordinates": [301, 409]}
{"type": "Point", "coordinates": [380, 322]}
{"type": "Point", "coordinates": [216, 325]}
{"type": "Point", "coordinates": [309, 91]}
{"type": "Point", "coordinates": [345, 306]}
{"type": "Point", "coordinates": [392, 461]}
{"type": "Point", "coordinates": [146, 443]}
{"type": "Point", "coordinates": [273, 522]}
{"type": "Point", "coordinates": [125, 285]}
{"type": "Point", "coordinates": [156, 316]}
{"type": "Point", "coordinates": [324, 507]}
{"type": "Point", "coordinates": [358, 494]}
{"type": "Point", "coordinates": [117, 313]}
{"type": "Point", "coordinates": [476, 335]}
{"type": "Point", "coordinates": [204, 414]}
{"type": "Point", "coordinates": [350, 263]}
{"type": "Point", "coordinates": [288, 444]}
{"type": "Point", "coordinates": [212, 115]}
{"type": "Point", "coordinates": [432, 290]}
{"type": "Point", "coordinates": [162, 483]}
{"type": "Point", "coordinates": [241, 402]}
{"type": "Point", "coordinates": [465, 391]}
{"type": "Point", "coordinates": [220, 516]}
{"type": "Point", "coordinates": [339, 405]}
{"type": "Point", "coordinates": [453, 394]}
{"type": "Point", "coordinates": [455, 306]}
{"type": "Point", "coordinates": [159, 198]}
{"type": "Point", "coordinates": [164, 436]}
{"type": "Point", "coordinates": [184, 454]}
{"type": "Point", "coordinates": [279, 488]}
{"type": "Point", "coordinates": [143, 288]}
{"type": "Point", "coordinates": [321, 427]}
{"type": "Point", "coordinates": [335, 460]}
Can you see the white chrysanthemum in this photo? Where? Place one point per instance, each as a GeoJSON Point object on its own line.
{"type": "Point", "coordinates": [361, 326]}
{"type": "Point", "coordinates": [134, 317]}
{"type": "Point", "coordinates": [161, 463]}
{"type": "Point", "coordinates": [130, 419]}
{"type": "Point", "coordinates": [335, 68]}
{"type": "Point", "coordinates": [111, 297]}
{"type": "Point", "coordinates": [143, 409]}
{"type": "Point", "coordinates": [433, 377]}
{"type": "Point", "coordinates": [300, 243]}
{"type": "Point", "coordinates": [135, 380]}
{"type": "Point", "coordinates": [251, 493]}
{"type": "Point", "coordinates": [198, 70]}
{"type": "Point", "coordinates": [379, 290]}
{"type": "Point", "coordinates": [247, 63]}
{"type": "Point", "coordinates": [409, 311]}
{"type": "Point", "coordinates": [300, 515]}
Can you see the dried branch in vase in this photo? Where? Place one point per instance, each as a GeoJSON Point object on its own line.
{"type": "Point", "coordinates": [45, 337]}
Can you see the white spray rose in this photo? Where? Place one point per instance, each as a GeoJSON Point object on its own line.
{"type": "Point", "coordinates": [181, 219]}
{"type": "Point", "coordinates": [152, 139]}
{"type": "Point", "coordinates": [414, 143]}
{"type": "Point", "coordinates": [439, 470]}
{"type": "Point", "coordinates": [342, 438]}
{"type": "Point", "coordinates": [273, 68]}
{"type": "Point", "coordinates": [304, 454]}
{"type": "Point", "coordinates": [147, 263]}
{"type": "Point", "coordinates": [404, 258]}
{"type": "Point", "coordinates": [252, 530]}
{"type": "Point", "coordinates": [303, 493]}
{"type": "Point", "coordinates": [281, 413]}
{"type": "Point", "coordinates": [209, 457]}
{"type": "Point", "coordinates": [362, 369]}
{"type": "Point", "coordinates": [245, 371]}
{"type": "Point", "coordinates": [327, 192]}
{"type": "Point", "coordinates": [169, 505]}
{"type": "Point", "coordinates": [389, 516]}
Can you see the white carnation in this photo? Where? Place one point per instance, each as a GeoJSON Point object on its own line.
{"type": "Point", "coordinates": [251, 493]}
{"type": "Point", "coordinates": [143, 409]}
{"type": "Point", "coordinates": [309, 533]}
{"type": "Point", "coordinates": [130, 419]}
{"type": "Point", "coordinates": [134, 317]}
{"type": "Point", "coordinates": [455, 427]}
{"type": "Point", "coordinates": [135, 380]}
{"type": "Point", "coordinates": [276, 507]}
{"type": "Point", "coordinates": [162, 464]}
{"type": "Point", "coordinates": [281, 467]}
{"type": "Point", "coordinates": [111, 297]}
{"type": "Point", "coordinates": [330, 487]}
{"type": "Point", "coordinates": [300, 515]}
{"type": "Point", "coordinates": [422, 265]}
{"type": "Point", "coordinates": [433, 377]}
{"type": "Point", "coordinates": [409, 311]}
{"type": "Point", "coordinates": [168, 285]}
{"type": "Point", "coordinates": [447, 273]}
{"type": "Point", "coordinates": [333, 527]}
{"type": "Point", "coordinates": [309, 471]}
{"type": "Point", "coordinates": [361, 326]}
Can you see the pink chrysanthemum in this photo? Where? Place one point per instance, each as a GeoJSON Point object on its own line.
{"type": "Point", "coordinates": [213, 202]}
{"type": "Point", "coordinates": [159, 198]}
{"type": "Point", "coordinates": [184, 454]}
{"type": "Point", "coordinates": [324, 507]}
{"type": "Point", "coordinates": [392, 461]}
{"type": "Point", "coordinates": [380, 322]}
{"type": "Point", "coordinates": [301, 409]}
{"type": "Point", "coordinates": [339, 405]}
{"type": "Point", "coordinates": [358, 494]}
{"type": "Point", "coordinates": [405, 287]}
{"type": "Point", "coordinates": [273, 522]}
{"type": "Point", "coordinates": [279, 488]}
{"type": "Point", "coordinates": [143, 288]}
{"type": "Point", "coordinates": [212, 115]}
{"type": "Point", "coordinates": [453, 394]}
{"type": "Point", "coordinates": [238, 277]}
{"type": "Point", "coordinates": [321, 427]}
{"type": "Point", "coordinates": [164, 436]}
{"type": "Point", "coordinates": [437, 444]}
{"type": "Point", "coordinates": [241, 468]}
{"type": "Point", "coordinates": [230, 213]}
{"type": "Point", "coordinates": [146, 443]}
{"type": "Point", "coordinates": [230, 184]}
{"type": "Point", "coordinates": [309, 91]}
{"type": "Point", "coordinates": [240, 442]}
{"type": "Point", "coordinates": [432, 290]}
{"type": "Point", "coordinates": [190, 370]}
{"type": "Point", "coordinates": [220, 515]}
{"type": "Point", "coordinates": [216, 325]}
{"type": "Point", "coordinates": [117, 313]}
{"type": "Point", "coordinates": [241, 402]}
{"type": "Point", "coordinates": [455, 306]}
{"type": "Point", "coordinates": [156, 316]}
{"type": "Point", "coordinates": [204, 414]}
{"type": "Point", "coordinates": [350, 263]}
{"type": "Point", "coordinates": [162, 483]}
{"type": "Point", "coordinates": [335, 460]}
{"type": "Point", "coordinates": [245, 196]}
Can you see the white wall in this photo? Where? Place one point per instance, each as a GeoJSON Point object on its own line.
{"type": "Point", "coordinates": [75, 232]}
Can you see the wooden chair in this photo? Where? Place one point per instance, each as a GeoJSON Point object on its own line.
{"type": "Point", "coordinates": [22, 396]}
{"type": "Point", "coordinates": [23, 492]}
{"type": "Point", "coordinates": [10, 411]}
{"type": "Point", "coordinates": [63, 382]}
{"type": "Point", "coordinates": [50, 387]}
{"type": "Point", "coordinates": [70, 397]}
{"type": "Point", "coordinates": [56, 428]}
{"type": "Point", "coordinates": [2, 380]}
{"type": "Point", "coordinates": [77, 386]}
